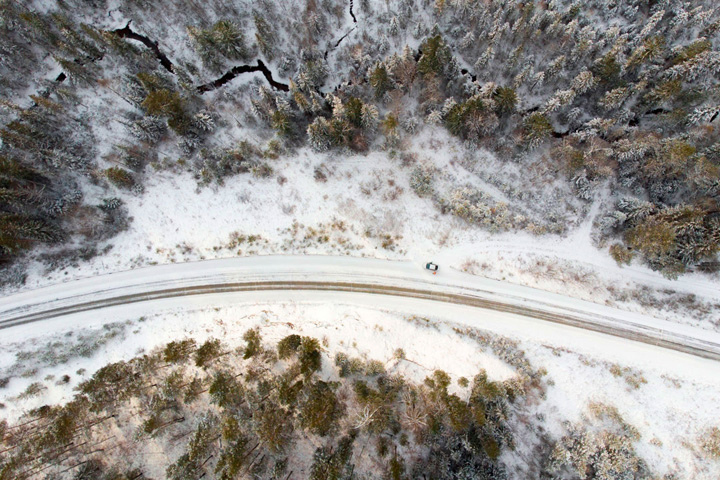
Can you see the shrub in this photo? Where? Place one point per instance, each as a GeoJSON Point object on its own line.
{"type": "Point", "coordinates": [421, 180]}
{"type": "Point", "coordinates": [347, 365]}
{"type": "Point", "coordinates": [120, 177]}
{"type": "Point", "coordinates": [710, 442]}
{"type": "Point", "coordinates": [621, 254]}
{"type": "Point", "coordinates": [374, 367]}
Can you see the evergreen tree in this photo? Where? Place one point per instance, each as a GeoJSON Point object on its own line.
{"type": "Point", "coordinates": [435, 58]}
{"type": "Point", "coordinates": [265, 36]}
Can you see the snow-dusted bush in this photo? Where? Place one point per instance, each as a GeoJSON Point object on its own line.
{"type": "Point", "coordinates": [710, 442]}
{"type": "Point", "coordinates": [601, 448]}
{"type": "Point", "coordinates": [476, 207]}
{"type": "Point", "coordinates": [421, 179]}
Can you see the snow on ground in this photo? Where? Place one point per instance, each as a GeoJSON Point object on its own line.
{"type": "Point", "coordinates": [363, 205]}
{"type": "Point", "coordinates": [669, 397]}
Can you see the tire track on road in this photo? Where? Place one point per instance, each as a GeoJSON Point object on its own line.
{"type": "Point", "coordinates": [634, 332]}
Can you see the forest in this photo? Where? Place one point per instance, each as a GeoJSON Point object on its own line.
{"type": "Point", "coordinates": [288, 411]}
{"type": "Point", "coordinates": [621, 95]}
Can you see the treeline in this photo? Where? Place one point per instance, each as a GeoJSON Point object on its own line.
{"type": "Point", "coordinates": [255, 411]}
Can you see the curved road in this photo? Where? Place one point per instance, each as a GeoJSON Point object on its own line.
{"type": "Point", "coordinates": [346, 274]}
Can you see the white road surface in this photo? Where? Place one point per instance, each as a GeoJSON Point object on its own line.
{"type": "Point", "coordinates": [347, 274]}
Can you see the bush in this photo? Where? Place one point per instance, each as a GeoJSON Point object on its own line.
{"type": "Point", "coordinates": [347, 365]}
{"type": "Point", "coordinates": [374, 367]}
{"type": "Point", "coordinates": [120, 177]}
{"type": "Point", "coordinates": [421, 180]}
{"type": "Point", "coordinates": [710, 442]}
{"type": "Point", "coordinates": [621, 254]}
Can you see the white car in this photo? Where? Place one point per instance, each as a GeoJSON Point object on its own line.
{"type": "Point", "coordinates": [432, 267]}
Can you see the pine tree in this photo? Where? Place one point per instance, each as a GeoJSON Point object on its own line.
{"type": "Point", "coordinates": [436, 56]}
{"type": "Point", "coordinates": [607, 70]}
{"type": "Point", "coordinates": [394, 28]}
{"type": "Point", "coordinates": [321, 410]}
{"type": "Point", "coordinates": [208, 351]}
{"type": "Point", "coordinates": [225, 391]}
{"type": "Point", "coordinates": [179, 351]}
{"type": "Point", "coordinates": [149, 129]}
{"type": "Point", "coordinates": [537, 129]}
{"type": "Point", "coordinates": [653, 237]}
{"type": "Point", "coordinates": [265, 36]}
{"type": "Point", "coordinates": [228, 39]}
{"type": "Point", "coordinates": [369, 117]}
{"type": "Point", "coordinates": [380, 80]}
{"type": "Point", "coordinates": [505, 100]}
{"type": "Point", "coordinates": [614, 98]}
{"type": "Point", "coordinates": [319, 134]}
{"type": "Point", "coordinates": [583, 82]}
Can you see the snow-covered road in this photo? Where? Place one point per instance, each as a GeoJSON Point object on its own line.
{"type": "Point", "coordinates": [347, 274]}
